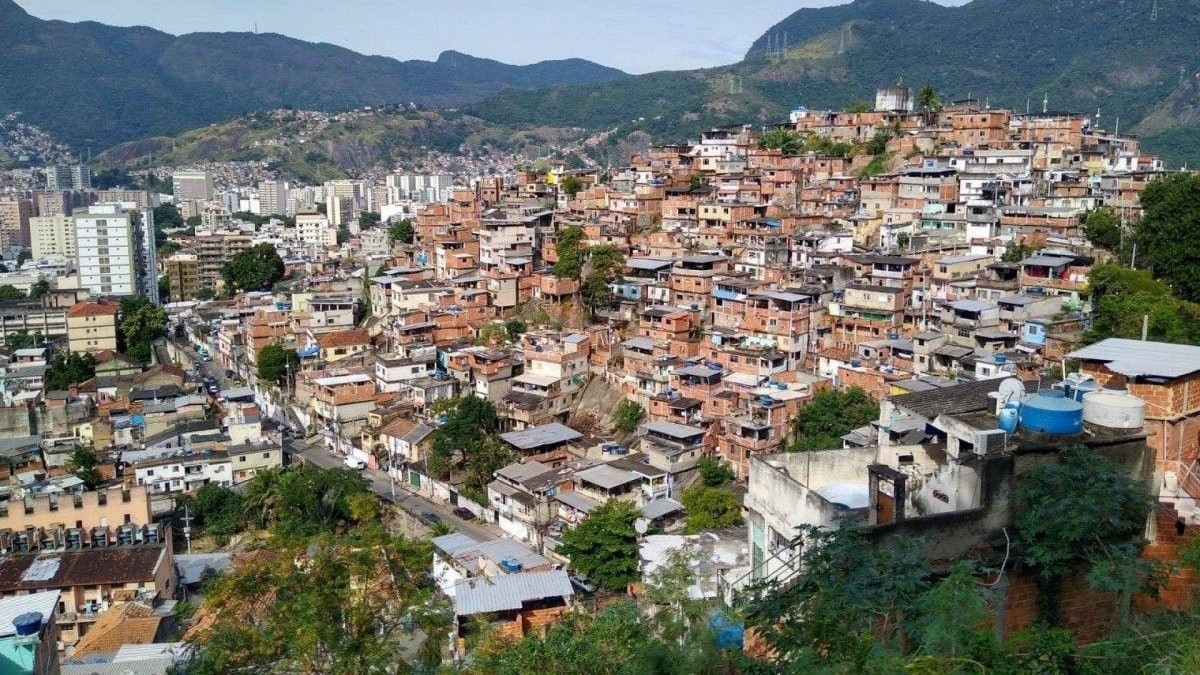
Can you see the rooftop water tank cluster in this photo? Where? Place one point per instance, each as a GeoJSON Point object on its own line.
{"type": "Point", "coordinates": [1063, 410]}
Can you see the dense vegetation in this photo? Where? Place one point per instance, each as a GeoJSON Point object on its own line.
{"type": "Point", "coordinates": [254, 269]}
{"type": "Point", "coordinates": [139, 324]}
{"type": "Point", "coordinates": [466, 446]}
{"type": "Point", "coordinates": [831, 414]}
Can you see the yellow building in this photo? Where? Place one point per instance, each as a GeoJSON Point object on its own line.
{"type": "Point", "coordinates": [92, 327]}
{"type": "Point", "coordinates": [183, 275]}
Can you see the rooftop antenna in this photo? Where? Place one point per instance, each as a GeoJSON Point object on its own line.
{"type": "Point", "coordinates": [1046, 103]}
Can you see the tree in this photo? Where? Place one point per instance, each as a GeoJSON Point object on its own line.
{"type": "Point", "coordinates": [23, 339]}
{"type": "Point", "coordinates": [193, 222]}
{"type": "Point", "coordinates": [1102, 227]}
{"type": "Point", "coordinates": [205, 293]}
{"type": "Point", "coordinates": [514, 328]}
{"type": "Point", "coordinates": [604, 545]}
{"type": "Point", "coordinates": [82, 464]}
{"type": "Point", "coordinates": [141, 323]}
{"type": "Point", "coordinates": [38, 288]}
{"type": "Point", "coordinates": [929, 102]}
{"type": "Point", "coordinates": [470, 421]}
{"type": "Point", "coordinates": [343, 234]}
{"type": "Point", "coordinates": [277, 363]}
{"type": "Point", "coordinates": [783, 139]}
{"type": "Point", "coordinates": [254, 269]}
{"type": "Point", "coordinates": [1059, 528]}
{"type": "Point", "coordinates": [1016, 252]}
{"type": "Point", "coordinates": [24, 255]}
{"type": "Point", "coordinates": [571, 185]}
{"type": "Point", "coordinates": [569, 248]}
{"type": "Point", "coordinates": [220, 511]}
{"type": "Point", "coordinates": [829, 415]}
{"type": "Point", "coordinates": [1168, 235]}
{"type": "Point", "coordinates": [604, 264]}
{"type": "Point", "coordinates": [368, 219]}
{"type": "Point", "coordinates": [627, 417]}
{"type": "Point", "coordinates": [9, 293]}
{"type": "Point", "coordinates": [714, 472]}
{"type": "Point", "coordinates": [67, 369]}
{"type": "Point", "coordinates": [167, 217]}
{"type": "Point", "coordinates": [858, 107]}
{"type": "Point", "coordinates": [710, 508]}
{"type": "Point", "coordinates": [164, 288]}
{"type": "Point", "coordinates": [167, 249]}
{"type": "Point", "coordinates": [401, 231]}
{"type": "Point", "coordinates": [1121, 297]}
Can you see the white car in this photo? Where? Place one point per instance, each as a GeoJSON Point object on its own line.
{"type": "Point", "coordinates": [355, 463]}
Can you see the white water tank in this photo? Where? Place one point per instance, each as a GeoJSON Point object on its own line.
{"type": "Point", "coordinates": [1114, 408]}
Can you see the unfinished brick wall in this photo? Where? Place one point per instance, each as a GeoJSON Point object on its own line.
{"type": "Point", "coordinates": [1167, 542]}
{"type": "Point", "coordinates": [1087, 613]}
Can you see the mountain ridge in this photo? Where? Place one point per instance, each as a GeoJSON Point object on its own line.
{"type": "Point", "coordinates": [93, 84]}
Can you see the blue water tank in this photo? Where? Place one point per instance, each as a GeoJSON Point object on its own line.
{"type": "Point", "coordinates": [1050, 412]}
{"type": "Point", "coordinates": [510, 565]}
{"type": "Point", "coordinates": [728, 633]}
{"type": "Point", "coordinates": [1008, 418]}
{"type": "Point", "coordinates": [1001, 358]}
{"type": "Point", "coordinates": [28, 623]}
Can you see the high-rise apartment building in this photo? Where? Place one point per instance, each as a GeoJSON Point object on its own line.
{"type": "Point", "coordinates": [183, 276]}
{"type": "Point", "coordinates": [105, 249]}
{"type": "Point", "coordinates": [193, 185]}
{"type": "Point", "coordinates": [68, 178]}
{"type": "Point", "coordinates": [213, 249]}
{"type": "Point", "coordinates": [14, 222]}
{"type": "Point", "coordinates": [272, 198]}
{"type": "Point", "coordinates": [52, 235]}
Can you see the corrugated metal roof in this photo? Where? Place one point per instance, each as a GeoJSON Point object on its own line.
{"type": "Point", "coordinates": [673, 429]}
{"type": "Point", "coordinates": [480, 595]}
{"type": "Point", "coordinates": [1047, 260]}
{"type": "Point", "coordinates": [697, 371]}
{"type": "Point", "coordinates": [972, 305]}
{"type": "Point", "coordinates": [548, 434]}
{"type": "Point", "coordinates": [661, 507]}
{"type": "Point", "coordinates": [577, 501]}
{"type": "Point", "coordinates": [639, 343]}
{"type": "Point", "coordinates": [606, 477]}
{"type": "Point", "coordinates": [451, 544]}
{"type": "Point", "coordinates": [1134, 358]}
{"type": "Point", "coordinates": [11, 608]}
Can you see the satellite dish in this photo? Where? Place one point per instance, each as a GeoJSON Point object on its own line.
{"type": "Point", "coordinates": [641, 525]}
{"type": "Point", "coordinates": [1011, 389]}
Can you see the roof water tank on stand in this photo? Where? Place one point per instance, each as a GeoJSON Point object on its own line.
{"type": "Point", "coordinates": [1008, 417]}
{"type": "Point", "coordinates": [1050, 412]}
{"type": "Point", "coordinates": [28, 624]}
{"type": "Point", "coordinates": [1115, 409]}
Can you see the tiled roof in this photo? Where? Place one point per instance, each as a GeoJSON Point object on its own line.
{"type": "Point", "coordinates": [962, 398]}
{"type": "Point", "coordinates": [91, 309]}
{"type": "Point", "coordinates": [343, 338]}
{"type": "Point", "coordinates": [129, 623]}
{"type": "Point", "coordinates": [109, 566]}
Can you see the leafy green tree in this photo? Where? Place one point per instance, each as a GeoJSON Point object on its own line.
{"type": "Point", "coordinates": [783, 139]}
{"type": "Point", "coordinates": [24, 255]}
{"type": "Point", "coordinates": [205, 293]}
{"type": "Point", "coordinates": [67, 369]}
{"type": "Point", "coordinates": [928, 100]}
{"type": "Point", "coordinates": [714, 472]}
{"type": "Point", "coordinates": [193, 222]}
{"type": "Point", "coordinates": [277, 363]}
{"type": "Point", "coordinates": [1168, 235]}
{"type": "Point", "coordinates": [368, 219]}
{"type": "Point", "coordinates": [470, 421]}
{"type": "Point", "coordinates": [140, 323]}
{"type": "Point", "coordinates": [1121, 297]}
{"type": "Point", "coordinates": [514, 328]}
{"type": "Point", "coordinates": [710, 508]}
{"type": "Point", "coordinates": [254, 269]}
{"type": "Point", "coordinates": [38, 288]}
{"type": "Point", "coordinates": [696, 181]}
{"type": "Point", "coordinates": [401, 231]}
{"type": "Point", "coordinates": [273, 616]}
{"type": "Point", "coordinates": [82, 464]}
{"type": "Point", "coordinates": [829, 415]}
{"type": "Point", "coordinates": [571, 185]}
{"type": "Point", "coordinates": [167, 217]}
{"type": "Point", "coordinates": [23, 339]}
{"type": "Point", "coordinates": [1059, 528]}
{"type": "Point", "coordinates": [1017, 252]}
{"type": "Point", "coordinates": [604, 264]}
{"type": "Point", "coordinates": [343, 234]}
{"type": "Point", "coordinates": [569, 248]}
{"type": "Point", "coordinates": [164, 288]}
{"type": "Point", "coordinates": [1102, 227]}
{"type": "Point", "coordinates": [9, 293]}
{"type": "Point", "coordinates": [604, 545]}
{"type": "Point", "coordinates": [628, 416]}
{"type": "Point", "coordinates": [858, 107]}
{"type": "Point", "coordinates": [220, 511]}
{"type": "Point", "coordinates": [167, 249]}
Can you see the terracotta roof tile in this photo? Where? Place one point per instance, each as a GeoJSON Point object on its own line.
{"type": "Point", "coordinates": [343, 338]}
{"type": "Point", "coordinates": [129, 623]}
{"type": "Point", "coordinates": [91, 309]}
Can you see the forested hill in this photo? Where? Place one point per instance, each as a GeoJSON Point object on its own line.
{"type": "Point", "coordinates": [1119, 56]}
{"type": "Point", "coordinates": [96, 85]}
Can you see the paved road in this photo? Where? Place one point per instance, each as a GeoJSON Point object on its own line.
{"type": "Point", "coordinates": [314, 451]}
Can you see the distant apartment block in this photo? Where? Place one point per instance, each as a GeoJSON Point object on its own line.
{"type": "Point", "coordinates": [14, 222]}
{"type": "Point", "coordinates": [52, 236]}
{"type": "Point", "coordinates": [183, 276]}
{"type": "Point", "coordinates": [105, 251]}
{"type": "Point", "coordinates": [68, 178]}
{"type": "Point", "coordinates": [193, 185]}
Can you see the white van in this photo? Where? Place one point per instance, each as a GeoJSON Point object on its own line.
{"type": "Point", "coordinates": [355, 463]}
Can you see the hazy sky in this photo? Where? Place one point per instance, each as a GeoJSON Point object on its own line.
{"type": "Point", "coordinates": [634, 35]}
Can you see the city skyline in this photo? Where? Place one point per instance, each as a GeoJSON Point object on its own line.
{"type": "Point", "coordinates": [646, 37]}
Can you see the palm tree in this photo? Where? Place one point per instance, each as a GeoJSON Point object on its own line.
{"type": "Point", "coordinates": [264, 498]}
{"type": "Point", "coordinates": [929, 102]}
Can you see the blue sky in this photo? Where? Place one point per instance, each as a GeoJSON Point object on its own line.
{"type": "Point", "coordinates": [634, 35]}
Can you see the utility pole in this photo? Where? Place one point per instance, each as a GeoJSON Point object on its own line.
{"type": "Point", "coordinates": [187, 528]}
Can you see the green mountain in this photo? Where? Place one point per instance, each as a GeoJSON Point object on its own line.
{"type": "Point", "coordinates": [1123, 57]}
{"type": "Point", "coordinates": [96, 85]}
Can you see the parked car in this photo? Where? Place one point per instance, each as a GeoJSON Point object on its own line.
{"type": "Point", "coordinates": [355, 463]}
{"type": "Point", "coordinates": [430, 518]}
{"type": "Point", "coordinates": [582, 583]}
{"type": "Point", "coordinates": [464, 513]}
